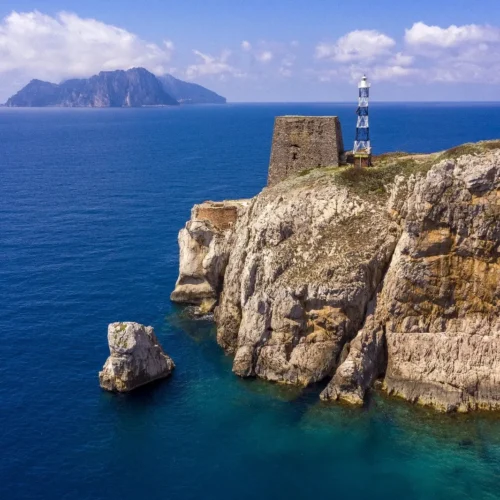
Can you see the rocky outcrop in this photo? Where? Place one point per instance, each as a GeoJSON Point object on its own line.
{"type": "Point", "coordinates": [307, 258]}
{"type": "Point", "coordinates": [204, 246]}
{"type": "Point", "coordinates": [136, 358]}
{"type": "Point", "coordinates": [361, 275]}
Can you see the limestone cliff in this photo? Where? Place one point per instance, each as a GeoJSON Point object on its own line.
{"type": "Point", "coordinates": [204, 246]}
{"type": "Point", "coordinates": [391, 272]}
{"type": "Point", "coordinates": [438, 309]}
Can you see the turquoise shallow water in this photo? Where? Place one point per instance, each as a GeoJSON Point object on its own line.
{"type": "Point", "coordinates": [90, 205]}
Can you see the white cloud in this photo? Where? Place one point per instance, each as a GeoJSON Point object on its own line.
{"type": "Point", "coordinates": [401, 59]}
{"type": "Point", "coordinates": [391, 73]}
{"type": "Point", "coordinates": [210, 65]}
{"type": "Point", "coordinates": [169, 45]}
{"type": "Point", "coordinates": [359, 45]}
{"type": "Point", "coordinates": [35, 45]}
{"type": "Point", "coordinates": [265, 56]}
{"type": "Point", "coordinates": [246, 45]}
{"type": "Point", "coordinates": [421, 34]}
{"type": "Point", "coordinates": [456, 54]}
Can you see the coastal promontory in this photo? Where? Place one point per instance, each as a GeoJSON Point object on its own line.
{"type": "Point", "coordinates": [353, 275]}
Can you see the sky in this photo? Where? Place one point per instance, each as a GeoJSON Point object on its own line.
{"type": "Point", "coordinates": [263, 50]}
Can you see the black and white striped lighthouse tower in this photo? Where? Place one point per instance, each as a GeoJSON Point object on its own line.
{"type": "Point", "coordinates": [362, 147]}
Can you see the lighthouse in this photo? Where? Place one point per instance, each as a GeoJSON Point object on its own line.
{"type": "Point", "coordinates": [362, 148]}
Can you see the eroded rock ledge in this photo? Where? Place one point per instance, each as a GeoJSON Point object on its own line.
{"type": "Point", "coordinates": [360, 275]}
{"type": "Point", "coordinates": [205, 245]}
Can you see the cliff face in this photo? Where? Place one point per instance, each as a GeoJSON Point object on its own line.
{"type": "Point", "coordinates": [205, 245]}
{"type": "Point", "coordinates": [364, 275]}
{"type": "Point", "coordinates": [439, 306]}
{"type": "Point", "coordinates": [298, 280]}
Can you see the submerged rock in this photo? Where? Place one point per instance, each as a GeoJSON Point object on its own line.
{"type": "Point", "coordinates": [136, 358]}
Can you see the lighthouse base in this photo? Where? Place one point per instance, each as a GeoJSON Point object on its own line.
{"type": "Point", "coordinates": [362, 160]}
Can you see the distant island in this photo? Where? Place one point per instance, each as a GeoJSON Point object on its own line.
{"type": "Point", "coordinates": [135, 87]}
{"type": "Point", "coordinates": [189, 93]}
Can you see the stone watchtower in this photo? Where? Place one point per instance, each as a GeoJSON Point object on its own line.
{"type": "Point", "coordinates": [304, 142]}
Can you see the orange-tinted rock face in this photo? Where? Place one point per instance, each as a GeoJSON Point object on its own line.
{"type": "Point", "coordinates": [439, 305]}
{"type": "Point", "coordinates": [221, 215]}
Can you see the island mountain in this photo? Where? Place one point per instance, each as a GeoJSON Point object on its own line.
{"type": "Point", "coordinates": [132, 88]}
{"type": "Point", "coordinates": [189, 93]}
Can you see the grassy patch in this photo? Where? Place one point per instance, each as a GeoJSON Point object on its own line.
{"type": "Point", "coordinates": [470, 148]}
{"type": "Point", "coordinates": [307, 171]}
{"type": "Point", "coordinates": [377, 179]}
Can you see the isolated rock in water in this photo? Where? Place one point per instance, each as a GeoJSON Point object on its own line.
{"type": "Point", "coordinates": [204, 246]}
{"type": "Point", "coordinates": [136, 358]}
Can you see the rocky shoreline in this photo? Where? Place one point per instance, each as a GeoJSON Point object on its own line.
{"type": "Point", "coordinates": [356, 275]}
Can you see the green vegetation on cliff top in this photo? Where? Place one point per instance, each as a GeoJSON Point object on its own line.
{"type": "Point", "coordinates": [376, 179]}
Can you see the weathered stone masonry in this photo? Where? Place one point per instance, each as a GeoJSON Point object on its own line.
{"type": "Point", "coordinates": [304, 142]}
{"type": "Point", "coordinates": [220, 214]}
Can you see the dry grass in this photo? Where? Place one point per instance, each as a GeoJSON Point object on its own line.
{"type": "Point", "coordinates": [377, 179]}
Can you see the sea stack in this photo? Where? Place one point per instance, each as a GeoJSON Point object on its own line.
{"type": "Point", "coordinates": [136, 358]}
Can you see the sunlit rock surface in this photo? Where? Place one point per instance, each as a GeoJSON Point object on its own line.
{"type": "Point", "coordinates": [136, 358]}
{"type": "Point", "coordinates": [390, 273]}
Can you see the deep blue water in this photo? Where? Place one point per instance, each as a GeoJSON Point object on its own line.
{"type": "Point", "coordinates": [90, 205]}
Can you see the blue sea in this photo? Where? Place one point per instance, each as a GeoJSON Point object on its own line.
{"type": "Point", "coordinates": [90, 205]}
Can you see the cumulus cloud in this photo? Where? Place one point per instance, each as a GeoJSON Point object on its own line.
{"type": "Point", "coordinates": [421, 34]}
{"type": "Point", "coordinates": [35, 45]}
{"type": "Point", "coordinates": [246, 45]}
{"type": "Point", "coordinates": [401, 59]}
{"type": "Point", "coordinates": [209, 65]}
{"type": "Point", "coordinates": [468, 53]}
{"type": "Point", "coordinates": [453, 54]}
{"type": "Point", "coordinates": [363, 51]}
{"type": "Point", "coordinates": [358, 45]}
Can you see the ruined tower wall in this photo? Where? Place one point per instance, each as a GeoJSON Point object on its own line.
{"type": "Point", "coordinates": [222, 215]}
{"type": "Point", "coordinates": [304, 142]}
